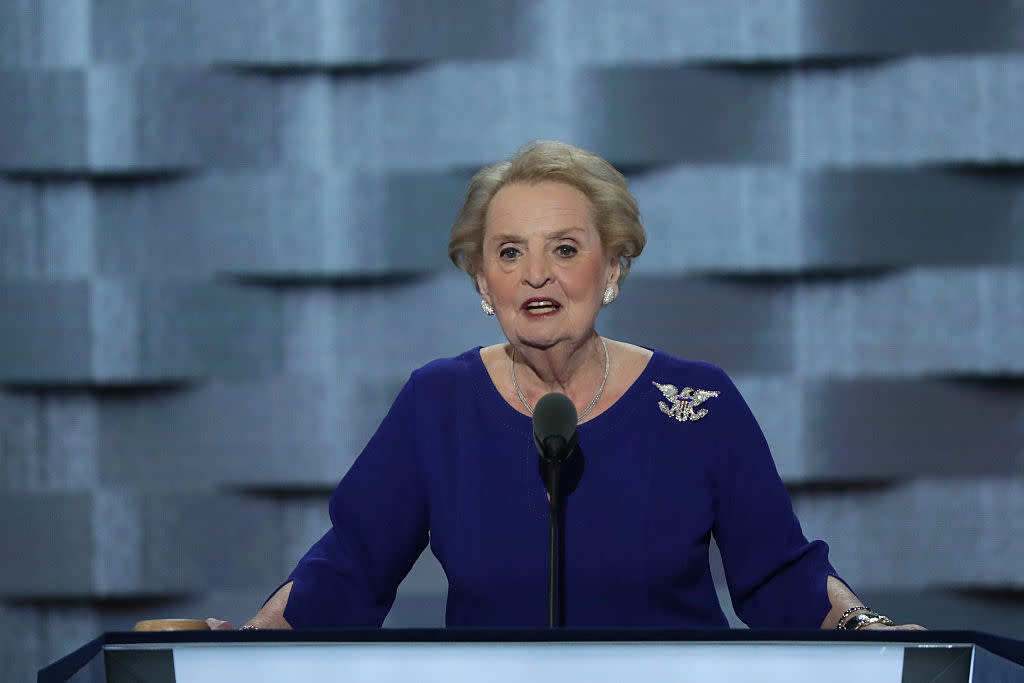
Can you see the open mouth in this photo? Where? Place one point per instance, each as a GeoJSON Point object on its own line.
{"type": "Point", "coordinates": [540, 306]}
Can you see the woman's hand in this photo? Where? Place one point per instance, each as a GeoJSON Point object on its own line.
{"type": "Point", "coordinates": [846, 605]}
{"type": "Point", "coordinates": [218, 625]}
{"type": "Point", "coordinates": [270, 616]}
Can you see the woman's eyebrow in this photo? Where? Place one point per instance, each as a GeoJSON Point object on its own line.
{"type": "Point", "coordinates": [506, 237]}
{"type": "Point", "coordinates": [564, 232]}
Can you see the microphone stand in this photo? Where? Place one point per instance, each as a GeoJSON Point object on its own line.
{"type": "Point", "coordinates": [554, 433]}
{"type": "Point", "coordinates": [554, 546]}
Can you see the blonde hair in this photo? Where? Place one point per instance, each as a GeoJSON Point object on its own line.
{"type": "Point", "coordinates": [615, 212]}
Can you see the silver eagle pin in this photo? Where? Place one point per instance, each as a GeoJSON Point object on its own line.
{"type": "Point", "coordinates": [682, 402]}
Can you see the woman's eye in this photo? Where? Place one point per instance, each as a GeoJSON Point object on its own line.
{"type": "Point", "coordinates": [508, 253]}
{"type": "Point", "coordinates": [566, 250]}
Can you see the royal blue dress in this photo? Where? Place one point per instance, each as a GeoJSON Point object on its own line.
{"type": "Point", "coordinates": [454, 465]}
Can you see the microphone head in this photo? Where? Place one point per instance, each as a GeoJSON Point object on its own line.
{"type": "Point", "coordinates": [554, 426]}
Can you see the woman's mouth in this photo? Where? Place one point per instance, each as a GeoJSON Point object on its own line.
{"type": "Point", "coordinates": [540, 306]}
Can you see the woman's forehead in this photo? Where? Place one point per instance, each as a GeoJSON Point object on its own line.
{"type": "Point", "coordinates": [548, 206]}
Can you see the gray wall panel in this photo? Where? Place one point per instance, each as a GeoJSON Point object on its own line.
{"type": "Point", "coordinates": [695, 115]}
{"type": "Point", "coordinates": [738, 217]}
{"type": "Point", "coordinates": [47, 109]}
{"type": "Point", "coordinates": [911, 217]}
{"type": "Point", "coordinates": [449, 29]}
{"type": "Point", "coordinates": [17, 44]}
{"type": "Point", "coordinates": [19, 442]}
{"type": "Point", "coordinates": [32, 637]}
{"type": "Point", "coordinates": [46, 230]}
{"type": "Point", "coordinates": [19, 223]}
{"type": "Point", "coordinates": [741, 326]}
{"type": "Point", "coordinates": [902, 322]}
{"type": "Point", "coordinates": [298, 432]}
{"type": "Point", "coordinates": [733, 30]}
{"type": "Point", "coordinates": [46, 330]}
{"type": "Point", "coordinates": [320, 32]}
{"type": "Point", "coordinates": [966, 320]}
{"type": "Point", "coordinates": [304, 222]}
{"type": "Point", "coordinates": [107, 331]}
{"type": "Point", "coordinates": [115, 119]}
{"type": "Point", "coordinates": [50, 33]}
{"type": "Point", "coordinates": [47, 442]}
{"type": "Point", "coordinates": [867, 430]}
{"type": "Point", "coordinates": [875, 27]}
{"type": "Point", "coordinates": [897, 429]}
{"type": "Point", "coordinates": [167, 31]}
{"type": "Point", "coordinates": [452, 114]}
{"type": "Point", "coordinates": [201, 117]}
{"type": "Point", "coordinates": [299, 223]}
{"type": "Point", "coordinates": [657, 31]}
{"type": "Point", "coordinates": [53, 542]}
{"type": "Point", "coordinates": [672, 113]}
{"type": "Point", "coordinates": [68, 429]}
{"type": "Point", "coordinates": [909, 111]}
{"type": "Point", "coordinates": [940, 533]}
{"type": "Point", "coordinates": [747, 219]}
{"type": "Point", "coordinates": [382, 334]}
{"type": "Point", "coordinates": [118, 544]}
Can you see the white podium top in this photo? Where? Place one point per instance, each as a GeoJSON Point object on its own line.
{"type": "Point", "coordinates": [537, 662]}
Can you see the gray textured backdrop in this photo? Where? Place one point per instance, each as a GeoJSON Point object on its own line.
{"type": "Point", "coordinates": [222, 250]}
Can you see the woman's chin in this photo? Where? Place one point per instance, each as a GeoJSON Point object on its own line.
{"type": "Point", "coordinates": [539, 342]}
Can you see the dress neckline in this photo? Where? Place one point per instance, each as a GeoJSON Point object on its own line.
{"type": "Point", "coordinates": [484, 378]}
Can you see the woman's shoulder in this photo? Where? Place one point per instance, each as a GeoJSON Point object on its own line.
{"type": "Point", "coordinates": [441, 371]}
{"type": "Point", "coordinates": [663, 361]}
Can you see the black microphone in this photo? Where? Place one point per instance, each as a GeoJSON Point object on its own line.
{"type": "Point", "coordinates": [554, 427]}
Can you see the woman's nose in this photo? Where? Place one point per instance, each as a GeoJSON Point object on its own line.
{"type": "Point", "coordinates": [537, 271]}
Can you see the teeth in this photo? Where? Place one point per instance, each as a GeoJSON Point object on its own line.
{"type": "Point", "coordinates": [535, 305]}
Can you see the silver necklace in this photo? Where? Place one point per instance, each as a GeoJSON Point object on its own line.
{"type": "Point", "coordinates": [593, 402]}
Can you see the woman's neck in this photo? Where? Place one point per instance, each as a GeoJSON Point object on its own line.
{"type": "Point", "coordinates": [574, 370]}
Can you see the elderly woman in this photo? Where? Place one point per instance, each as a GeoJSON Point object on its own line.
{"type": "Point", "coordinates": [673, 454]}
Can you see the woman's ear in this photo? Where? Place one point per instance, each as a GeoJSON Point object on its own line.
{"type": "Point", "coordinates": [613, 274]}
{"type": "Point", "coordinates": [481, 286]}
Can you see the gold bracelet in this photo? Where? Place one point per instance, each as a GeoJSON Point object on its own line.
{"type": "Point", "coordinates": [842, 617]}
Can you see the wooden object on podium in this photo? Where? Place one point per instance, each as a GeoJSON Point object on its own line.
{"type": "Point", "coordinates": [172, 625]}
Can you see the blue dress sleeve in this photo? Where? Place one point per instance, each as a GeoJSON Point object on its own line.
{"type": "Point", "coordinates": [379, 526]}
{"type": "Point", "coordinates": [776, 578]}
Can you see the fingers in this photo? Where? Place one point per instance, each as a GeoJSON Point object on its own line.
{"type": "Point", "coordinates": [898, 627]}
{"type": "Point", "coordinates": [218, 625]}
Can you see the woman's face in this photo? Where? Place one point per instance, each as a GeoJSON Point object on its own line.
{"type": "Point", "coordinates": [543, 266]}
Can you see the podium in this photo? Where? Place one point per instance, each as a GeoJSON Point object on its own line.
{"type": "Point", "coordinates": [561, 655]}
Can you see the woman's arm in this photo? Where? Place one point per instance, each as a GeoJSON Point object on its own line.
{"type": "Point", "coordinates": [271, 615]}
